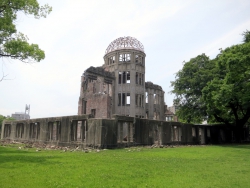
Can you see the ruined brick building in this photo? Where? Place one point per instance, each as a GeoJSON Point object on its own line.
{"type": "Point", "coordinates": [119, 87]}
{"type": "Point", "coordinates": [117, 108]}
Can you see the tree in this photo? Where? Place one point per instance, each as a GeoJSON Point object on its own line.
{"type": "Point", "coordinates": [246, 36]}
{"type": "Point", "coordinates": [227, 96]}
{"type": "Point", "coordinates": [188, 88]}
{"type": "Point", "coordinates": [14, 44]}
{"type": "Point", "coordinates": [218, 91]}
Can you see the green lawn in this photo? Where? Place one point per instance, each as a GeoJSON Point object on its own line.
{"type": "Point", "coordinates": [197, 166]}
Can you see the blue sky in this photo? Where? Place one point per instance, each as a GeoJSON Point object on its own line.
{"type": "Point", "coordinates": [77, 32]}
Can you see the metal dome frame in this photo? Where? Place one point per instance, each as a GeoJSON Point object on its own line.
{"type": "Point", "coordinates": [125, 43]}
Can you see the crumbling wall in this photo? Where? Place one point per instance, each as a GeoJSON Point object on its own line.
{"type": "Point", "coordinates": [120, 131]}
{"type": "Point", "coordinates": [155, 105]}
{"type": "Point", "coordinates": [96, 93]}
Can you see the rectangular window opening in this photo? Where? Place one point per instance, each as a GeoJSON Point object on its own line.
{"type": "Point", "coordinates": [136, 99]}
{"type": "Point", "coordinates": [124, 57]}
{"type": "Point", "coordinates": [128, 99]}
{"type": "Point", "coordinates": [128, 77]}
{"type": "Point", "coordinates": [123, 99]}
{"type": "Point", "coordinates": [140, 79]}
{"type": "Point", "coordinates": [124, 77]}
{"type": "Point", "coordinates": [136, 58]}
{"type": "Point", "coordinates": [142, 100]}
{"type": "Point", "coordinates": [93, 112]}
{"type": "Point", "coordinates": [120, 78]}
{"type": "Point", "coordinates": [119, 99]}
{"type": "Point", "coordinates": [121, 57]}
{"type": "Point", "coordinates": [139, 99]}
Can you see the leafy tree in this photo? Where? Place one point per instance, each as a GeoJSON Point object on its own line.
{"type": "Point", "coordinates": [246, 36]}
{"type": "Point", "coordinates": [218, 91]}
{"type": "Point", "coordinates": [227, 96]}
{"type": "Point", "coordinates": [188, 88]}
{"type": "Point", "coordinates": [14, 44]}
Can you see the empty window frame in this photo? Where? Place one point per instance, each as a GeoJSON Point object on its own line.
{"type": "Point", "coordinates": [120, 78]}
{"type": "Point", "coordinates": [84, 106]}
{"type": "Point", "coordinates": [34, 130]}
{"type": "Point", "coordinates": [139, 100]}
{"type": "Point", "coordinates": [146, 100]}
{"type": "Point", "coordinates": [54, 131]}
{"type": "Point", "coordinates": [138, 59]}
{"type": "Point", "coordinates": [124, 77]}
{"type": "Point", "coordinates": [111, 60]}
{"type": "Point", "coordinates": [123, 99]}
{"type": "Point", "coordinates": [128, 99]}
{"type": "Point", "coordinates": [128, 77]}
{"type": "Point", "coordinates": [93, 112]}
{"type": "Point", "coordinates": [156, 98]}
{"type": "Point", "coordinates": [177, 133]}
{"type": "Point", "coordinates": [124, 57]}
{"type": "Point", "coordinates": [76, 131]}
{"type": "Point", "coordinates": [19, 130]}
{"type": "Point", "coordinates": [7, 130]}
{"type": "Point", "coordinates": [139, 78]}
{"type": "Point", "coordinates": [119, 99]}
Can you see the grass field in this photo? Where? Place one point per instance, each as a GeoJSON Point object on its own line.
{"type": "Point", "coordinates": [196, 166]}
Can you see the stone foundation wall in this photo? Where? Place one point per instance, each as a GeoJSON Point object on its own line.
{"type": "Point", "coordinates": [120, 131]}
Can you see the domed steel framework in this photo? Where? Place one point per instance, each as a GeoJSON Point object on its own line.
{"type": "Point", "coordinates": [125, 43]}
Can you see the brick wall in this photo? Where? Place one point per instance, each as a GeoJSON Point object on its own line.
{"type": "Point", "coordinates": [101, 103]}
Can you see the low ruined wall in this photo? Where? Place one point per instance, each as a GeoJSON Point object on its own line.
{"type": "Point", "coordinates": [120, 131]}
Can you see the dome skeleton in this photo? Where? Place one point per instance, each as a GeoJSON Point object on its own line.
{"type": "Point", "coordinates": [125, 43]}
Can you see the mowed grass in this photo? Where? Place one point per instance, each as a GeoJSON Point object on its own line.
{"type": "Point", "coordinates": [196, 166]}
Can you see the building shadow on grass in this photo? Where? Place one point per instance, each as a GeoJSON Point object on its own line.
{"type": "Point", "coordinates": [11, 156]}
{"type": "Point", "coordinates": [239, 146]}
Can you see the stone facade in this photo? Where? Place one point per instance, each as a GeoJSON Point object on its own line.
{"type": "Point", "coordinates": [119, 87]}
{"type": "Point", "coordinates": [118, 131]}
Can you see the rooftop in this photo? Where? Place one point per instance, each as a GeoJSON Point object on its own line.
{"type": "Point", "coordinates": [125, 43]}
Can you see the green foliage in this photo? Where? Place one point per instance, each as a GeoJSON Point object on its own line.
{"type": "Point", "coordinates": [188, 88]}
{"type": "Point", "coordinates": [220, 90]}
{"type": "Point", "coordinates": [4, 118]}
{"type": "Point", "coordinates": [246, 36]}
{"type": "Point", "coordinates": [227, 94]}
{"type": "Point", "coordinates": [210, 166]}
{"type": "Point", "coordinates": [12, 43]}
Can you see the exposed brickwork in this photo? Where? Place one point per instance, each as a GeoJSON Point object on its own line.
{"type": "Point", "coordinates": [101, 103]}
{"type": "Point", "coordinates": [96, 93]}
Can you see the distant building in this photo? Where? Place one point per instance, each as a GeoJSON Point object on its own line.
{"type": "Point", "coordinates": [170, 113]}
{"type": "Point", "coordinates": [173, 109]}
{"type": "Point", "coordinates": [20, 116]}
